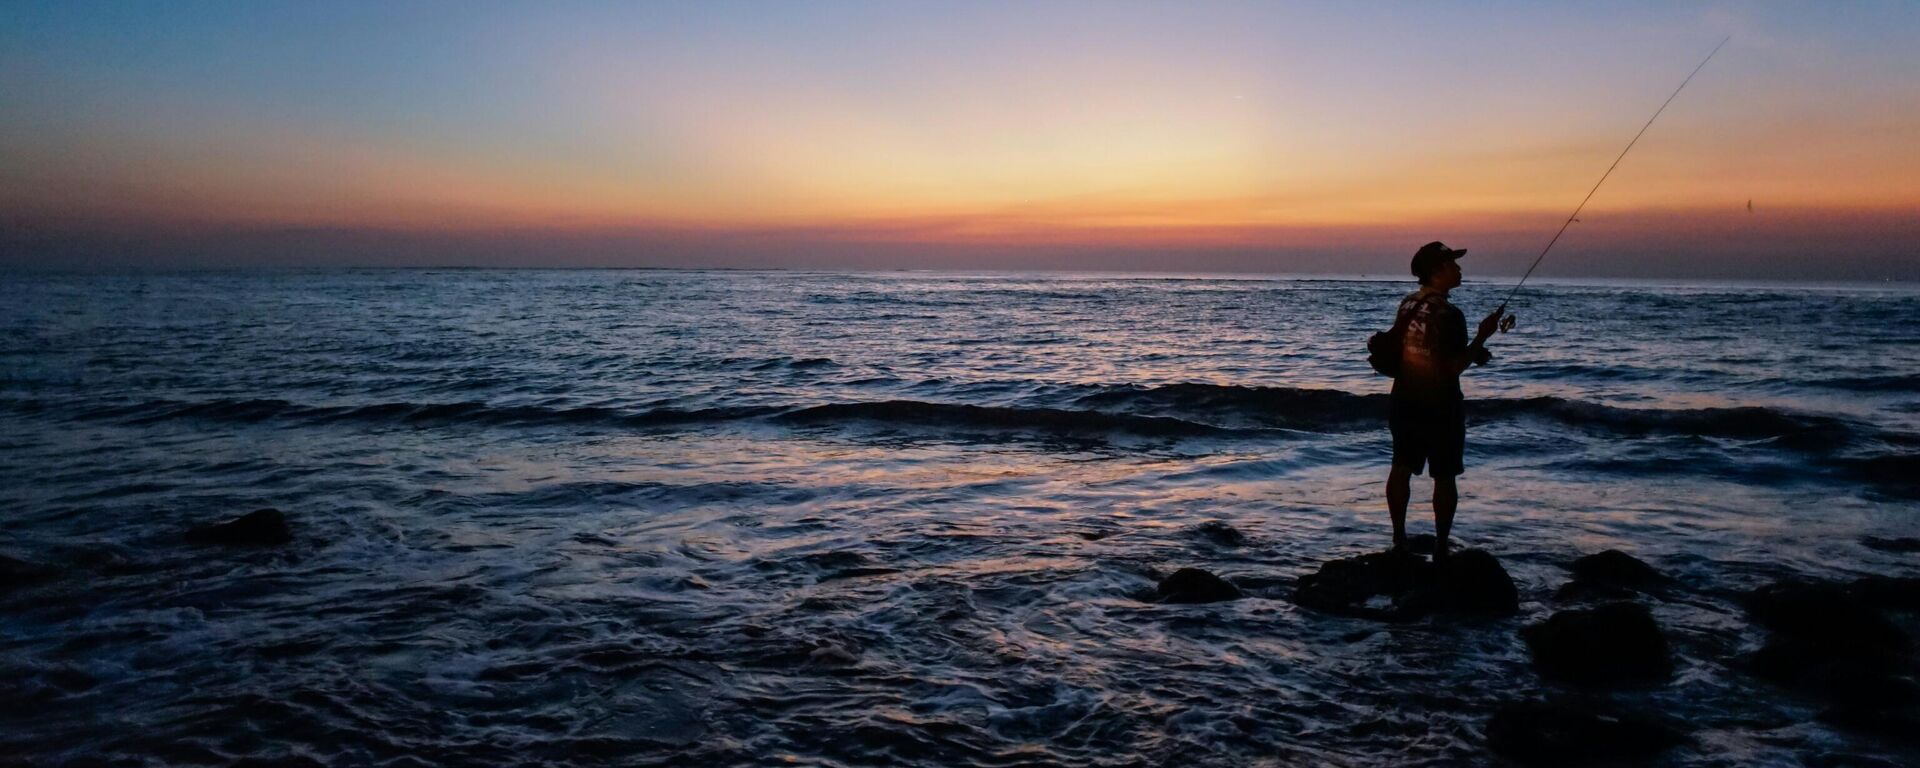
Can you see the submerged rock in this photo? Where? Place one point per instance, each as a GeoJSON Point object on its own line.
{"type": "Point", "coordinates": [1538, 733]}
{"type": "Point", "coordinates": [1616, 568]}
{"type": "Point", "coordinates": [1220, 534]}
{"type": "Point", "coordinates": [1892, 593]}
{"type": "Point", "coordinates": [15, 573]}
{"type": "Point", "coordinates": [1470, 581]}
{"type": "Point", "coordinates": [1854, 677]}
{"type": "Point", "coordinates": [1192, 585]}
{"type": "Point", "coordinates": [1829, 640]}
{"type": "Point", "coordinates": [1613, 644]}
{"type": "Point", "coordinates": [259, 528]}
{"type": "Point", "coordinates": [1901, 544]}
{"type": "Point", "coordinates": [1824, 614]}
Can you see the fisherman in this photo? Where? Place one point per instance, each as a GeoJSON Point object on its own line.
{"type": "Point", "coordinates": [1428, 418]}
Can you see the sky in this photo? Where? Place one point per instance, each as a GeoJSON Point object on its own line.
{"type": "Point", "coordinates": [1194, 136]}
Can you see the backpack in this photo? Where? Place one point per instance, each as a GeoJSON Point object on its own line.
{"type": "Point", "coordinates": [1383, 348]}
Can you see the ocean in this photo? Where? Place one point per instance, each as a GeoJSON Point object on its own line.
{"type": "Point", "coordinates": [892, 518]}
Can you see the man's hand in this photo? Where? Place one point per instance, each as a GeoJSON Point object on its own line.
{"type": "Point", "coordinates": [1488, 325]}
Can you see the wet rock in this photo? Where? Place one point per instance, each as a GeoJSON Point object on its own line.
{"type": "Point", "coordinates": [1892, 593]}
{"type": "Point", "coordinates": [1344, 586]}
{"type": "Point", "coordinates": [259, 528]}
{"type": "Point", "coordinates": [1192, 585]}
{"type": "Point", "coordinates": [1470, 582]}
{"type": "Point", "coordinates": [1901, 544]}
{"type": "Point", "coordinates": [16, 573]}
{"type": "Point", "coordinates": [1577, 591]}
{"type": "Point", "coordinates": [1613, 644]}
{"type": "Point", "coordinates": [1615, 568]}
{"type": "Point", "coordinates": [1855, 678]}
{"type": "Point", "coordinates": [1220, 534]}
{"type": "Point", "coordinates": [1537, 733]}
{"type": "Point", "coordinates": [1422, 543]}
{"type": "Point", "coordinates": [1825, 615]}
{"type": "Point", "coordinates": [1894, 723]}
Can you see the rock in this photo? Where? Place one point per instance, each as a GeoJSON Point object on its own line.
{"type": "Point", "coordinates": [1613, 644]}
{"type": "Point", "coordinates": [1578, 591]}
{"type": "Point", "coordinates": [1854, 678]}
{"type": "Point", "coordinates": [1468, 582]}
{"type": "Point", "coordinates": [1892, 593]}
{"type": "Point", "coordinates": [1897, 723]}
{"type": "Point", "coordinates": [1220, 534]}
{"type": "Point", "coordinates": [1192, 585]}
{"type": "Point", "coordinates": [1615, 568]}
{"type": "Point", "coordinates": [1825, 615]}
{"type": "Point", "coordinates": [1345, 585]}
{"type": "Point", "coordinates": [1901, 544]}
{"type": "Point", "coordinates": [259, 528]}
{"type": "Point", "coordinates": [1538, 733]}
{"type": "Point", "coordinates": [15, 573]}
{"type": "Point", "coordinates": [1422, 543]}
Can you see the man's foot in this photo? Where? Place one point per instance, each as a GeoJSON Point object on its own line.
{"type": "Point", "coordinates": [1440, 549]}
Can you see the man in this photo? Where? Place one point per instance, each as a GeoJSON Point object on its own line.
{"type": "Point", "coordinates": [1428, 418]}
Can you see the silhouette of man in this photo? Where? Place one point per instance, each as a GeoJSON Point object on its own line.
{"type": "Point", "coordinates": [1428, 416]}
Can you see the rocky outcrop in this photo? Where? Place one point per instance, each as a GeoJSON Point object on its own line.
{"type": "Point", "coordinates": [1610, 645]}
{"type": "Point", "coordinates": [1401, 586]}
{"type": "Point", "coordinates": [259, 528]}
{"type": "Point", "coordinates": [1539, 733]}
{"type": "Point", "coordinates": [1192, 585]}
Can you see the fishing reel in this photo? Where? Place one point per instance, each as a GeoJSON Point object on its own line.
{"type": "Point", "coordinates": [1506, 323]}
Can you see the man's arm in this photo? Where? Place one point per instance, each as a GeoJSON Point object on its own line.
{"type": "Point", "coordinates": [1475, 352]}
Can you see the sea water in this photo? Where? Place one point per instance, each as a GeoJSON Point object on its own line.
{"type": "Point", "coordinates": [741, 518]}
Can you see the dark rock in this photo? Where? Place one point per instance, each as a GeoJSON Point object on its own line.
{"type": "Point", "coordinates": [1220, 534]}
{"type": "Point", "coordinates": [1901, 544]}
{"type": "Point", "coordinates": [1825, 615]}
{"type": "Point", "coordinates": [1536, 733]}
{"type": "Point", "coordinates": [1192, 585]}
{"type": "Point", "coordinates": [16, 573]}
{"type": "Point", "coordinates": [1345, 586]}
{"type": "Point", "coordinates": [259, 528]}
{"type": "Point", "coordinates": [856, 573]}
{"type": "Point", "coordinates": [1470, 581]}
{"type": "Point", "coordinates": [1613, 644]}
{"type": "Point", "coordinates": [1865, 677]}
{"type": "Point", "coordinates": [1422, 543]}
{"type": "Point", "coordinates": [1616, 568]}
{"type": "Point", "coordinates": [1577, 591]}
{"type": "Point", "coordinates": [1897, 723]}
{"type": "Point", "coordinates": [1892, 593]}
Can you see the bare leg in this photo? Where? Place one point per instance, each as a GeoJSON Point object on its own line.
{"type": "Point", "coordinates": [1397, 493]}
{"type": "Point", "coordinates": [1446, 496]}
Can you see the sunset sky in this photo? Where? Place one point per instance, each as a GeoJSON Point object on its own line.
{"type": "Point", "coordinates": [1260, 137]}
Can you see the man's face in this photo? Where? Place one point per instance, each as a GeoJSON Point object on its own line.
{"type": "Point", "coordinates": [1446, 276]}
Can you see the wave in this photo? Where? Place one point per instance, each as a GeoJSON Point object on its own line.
{"type": "Point", "coordinates": [1177, 410]}
{"type": "Point", "coordinates": [1054, 420]}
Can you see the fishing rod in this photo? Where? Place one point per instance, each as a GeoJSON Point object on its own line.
{"type": "Point", "coordinates": [1508, 322]}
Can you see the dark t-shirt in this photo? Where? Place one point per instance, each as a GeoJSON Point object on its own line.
{"type": "Point", "coordinates": [1436, 335]}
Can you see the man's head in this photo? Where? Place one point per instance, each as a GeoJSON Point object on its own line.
{"type": "Point", "coordinates": [1435, 264]}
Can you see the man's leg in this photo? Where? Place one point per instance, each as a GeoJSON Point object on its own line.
{"type": "Point", "coordinates": [1446, 496]}
{"type": "Point", "coordinates": [1397, 493]}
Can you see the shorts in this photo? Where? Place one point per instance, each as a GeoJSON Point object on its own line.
{"type": "Point", "coordinates": [1429, 434]}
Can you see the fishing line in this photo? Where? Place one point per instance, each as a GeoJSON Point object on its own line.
{"type": "Point", "coordinates": [1508, 322]}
